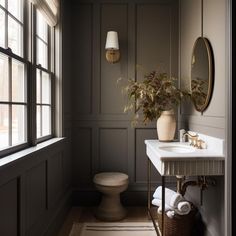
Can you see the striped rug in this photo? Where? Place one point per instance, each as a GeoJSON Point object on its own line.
{"type": "Point", "coordinates": [113, 229]}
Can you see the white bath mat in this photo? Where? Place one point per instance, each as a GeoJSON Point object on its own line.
{"type": "Point", "coordinates": [113, 229]}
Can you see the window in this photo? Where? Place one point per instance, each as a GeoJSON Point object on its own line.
{"type": "Point", "coordinates": [13, 85]}
{"type": "Point", "coordinates": [43, 76]}
{"type": "Point", "coordinates": [26, 72]}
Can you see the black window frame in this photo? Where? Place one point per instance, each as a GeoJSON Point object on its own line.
{"type": "Point", "coordinates": [28, 58]}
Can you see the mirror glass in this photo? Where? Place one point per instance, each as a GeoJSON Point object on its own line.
{"type": "Point", "coordinates": [201, 74]}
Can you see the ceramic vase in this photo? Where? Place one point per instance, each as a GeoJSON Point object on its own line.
{"type": "Point", "coordinates": [166, 126]}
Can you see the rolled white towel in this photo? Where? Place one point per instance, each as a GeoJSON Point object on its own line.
{"type": "Point", "coordinates": [183, 208]}
{"type": "Point", "coordinates": [171, 197]}
{"type": "Point", "coordinates": [168, 208]}
{"type": "Point", "coordinates": [157, 202]}
{"type": "Point", "coordinates": [170, 214]}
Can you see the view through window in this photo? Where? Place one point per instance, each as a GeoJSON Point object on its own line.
{"type": "Point", "coordinates": [13, 86]}
{"type": "Point", "coordinates": [20, 75]}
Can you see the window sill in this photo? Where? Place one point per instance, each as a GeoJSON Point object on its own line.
{"type": "Point", "coordinates": [18, 155]}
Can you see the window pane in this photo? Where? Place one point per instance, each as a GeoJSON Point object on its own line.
{"type": "Point", "coordinates": [2, 28]}
{"type": "Point", "coordinates": [4, 81]}
{"type": "Point", "coordinates": [38, 118]}
{"type": "Point", "coordinates": [38, 86]}
{"type": "Point", "coordinates": [18, 124]}
{"type": "Point", "coordinates": [18, 82]}
{"type": "Point", "coordinates": [15, 36]}
{"type": "Point", "coordinates": [46, 88]}
{"type": "Point", "coordinates": [4, 125]}
{"type": "Point", "coordinates": [2, 2]}
{"type": "Point", "coordinates": [46, 120]}
{"type": "Point", "coordinates": [42, 27]}
{"type": "Point", "coordinates": [42, 54]}
{"type": "Point", "coordinates": [15, 7]}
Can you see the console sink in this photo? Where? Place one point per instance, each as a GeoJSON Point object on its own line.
{"type": "Point", "coordinates": [179, 158]}
{"type": "Point", "coordinates": [177, 148]}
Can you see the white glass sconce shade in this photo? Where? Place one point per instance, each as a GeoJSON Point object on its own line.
{"type": "Point", "coordinates": [112, 40]}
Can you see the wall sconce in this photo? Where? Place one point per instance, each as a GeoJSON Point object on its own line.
{"type": "Point", "coordinates": [112, 47]}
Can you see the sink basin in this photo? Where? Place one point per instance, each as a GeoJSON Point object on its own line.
{"type": "Point", "coordinates": [177, 148]}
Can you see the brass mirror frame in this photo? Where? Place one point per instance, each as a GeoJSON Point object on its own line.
{"type": "Point", "coordinates": [210, 75]}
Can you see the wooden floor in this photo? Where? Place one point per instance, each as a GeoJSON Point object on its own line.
{"type": "Point", "coordinates": [86, 214]}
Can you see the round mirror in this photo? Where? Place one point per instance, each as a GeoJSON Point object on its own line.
{"type": "Point", "coordinates": [201, 73]}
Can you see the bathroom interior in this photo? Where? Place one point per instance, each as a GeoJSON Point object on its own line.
{"type": "Point", "coordinates": [48, 180]}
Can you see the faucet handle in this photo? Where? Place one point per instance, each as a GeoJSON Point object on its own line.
{"type": "Point", "coordinates": [201, 144]}
{"type": "Point", "coordinates": [192, 134]}
{"type": "Point", "coordinates": [193, 140]}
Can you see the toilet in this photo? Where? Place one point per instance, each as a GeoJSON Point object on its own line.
{"type": "Point", "coordinates": [111, 184]}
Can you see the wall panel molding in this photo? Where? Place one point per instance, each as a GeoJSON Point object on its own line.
{"type": "Point", "coordinates": [104, 139]}
{"type": "Point", "coordinates": [113, 17]}
{"type": "Point", "coordinates": [27, 194]}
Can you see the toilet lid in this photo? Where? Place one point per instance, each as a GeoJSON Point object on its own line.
{"type": "Point", "coordinates": [111, 178]}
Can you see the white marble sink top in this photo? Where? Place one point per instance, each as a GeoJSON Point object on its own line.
{"type": "Point", "coordinates": [182, 151]}
{"type": "Point", "coordinates": [179, 158]}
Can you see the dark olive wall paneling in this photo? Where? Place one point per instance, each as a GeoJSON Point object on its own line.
{"type": "Point", "coordinates": [36, 194]}
{"type": "Point", "coordinates": [55, 179]}
{"type": "Point", "coordinates": [113, 146]}
{"type": "Point", "coordinates": [213, 121]}
{"type": "Point", "coordinates": [153, 37]}
{"type": "Point", "coordinates": [140, 161]}
{"type": "Point", "coordinates": [33, 193]}
{"type": "Point", "coordinates": [102, 136]}
{"type": "Point", "coordinates": [9, 209]}
{"type": "Point", "coordinates": [82, 53]}
{"type": "Point", "coordinates": [113, 17]}
{"type": "Point", "coordinates": [35, 189]}
{"type": "Point", "coordinates": [82, 155]}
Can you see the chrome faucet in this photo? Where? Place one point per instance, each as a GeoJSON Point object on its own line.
{"type": "Point", "coordinates": [194, 139]}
